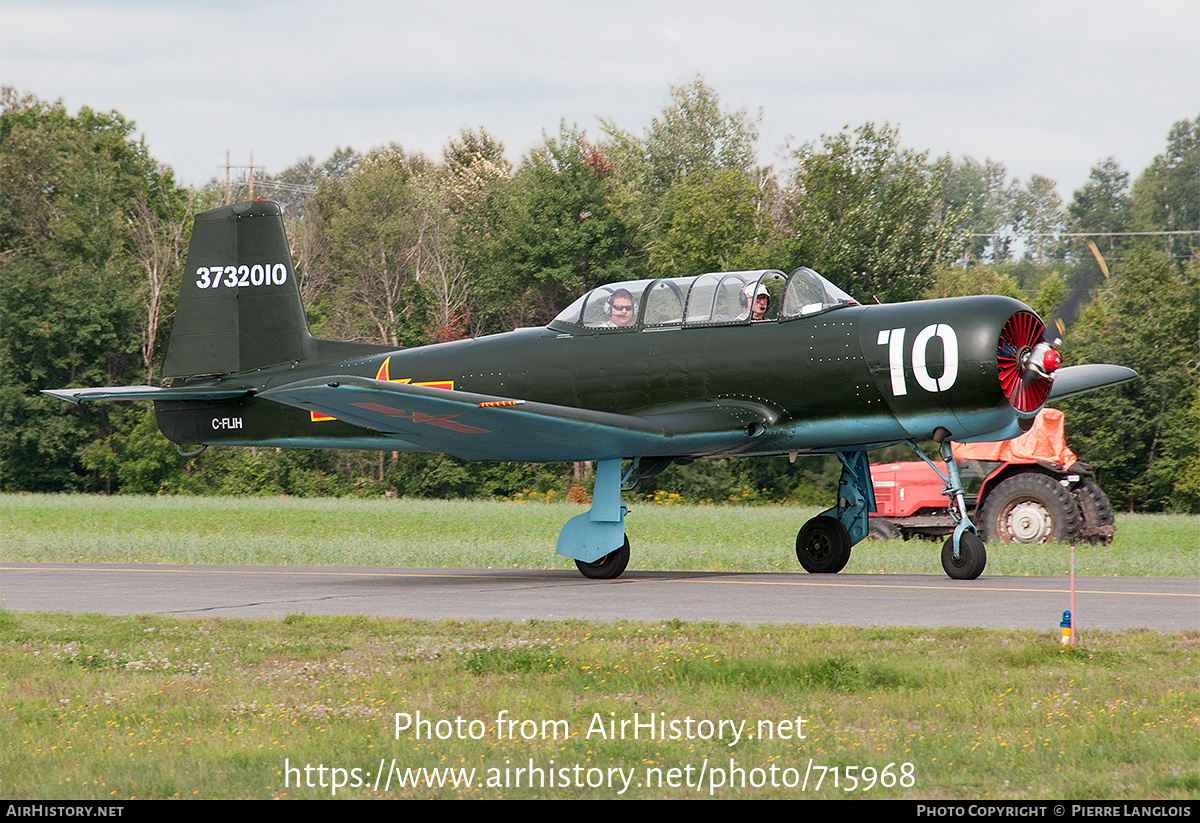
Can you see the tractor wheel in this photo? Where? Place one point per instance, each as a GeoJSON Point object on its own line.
{"type": "Point", "coordinates": [880, 529]}
{"type": "Point", "coordinates": [1096, 513]}
{"type": "Point", "coordinates": [1029, 508]}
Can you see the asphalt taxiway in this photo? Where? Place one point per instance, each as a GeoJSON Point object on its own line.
{"type": "Point", "coordinates": [1107, 603]}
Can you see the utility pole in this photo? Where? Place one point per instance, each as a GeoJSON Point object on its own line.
{"type": "Point", "coordinates": [246, 177]}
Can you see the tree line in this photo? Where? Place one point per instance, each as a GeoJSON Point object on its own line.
{"type": "Point", "coordinates": [395, 247]}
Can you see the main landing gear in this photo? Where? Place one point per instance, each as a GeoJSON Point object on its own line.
{"type": "Point", "coordinates": [596, 539]}
{"type": "Point", "coordinates": [608, 567]}
{"type": "Point", "coordinates": [970, 560]}
{"type": "Point", "coordinates": [823, 545]}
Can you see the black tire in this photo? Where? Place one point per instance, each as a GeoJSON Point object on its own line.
{"type": "Point", "coordinates": [823, 546]}
{"type": "Point", "coordinates": [1096, 514]}
{"type": "Point", "coordinates": [609, 567]}
{"type": "Point", "coordinates": [1029, 508]}
{"type": "Point", "coordinates": [972, 557]}
{"type": "Point", "coordinates": [880, 529]}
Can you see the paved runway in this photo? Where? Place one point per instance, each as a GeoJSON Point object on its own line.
{"type": "Point", "coordinates": [1160, 604]}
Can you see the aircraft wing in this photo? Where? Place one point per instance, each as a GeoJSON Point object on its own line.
{"type": "Point", "coordinates": [484, 427]}
{"type": "Point", "coordinates": [1071, 380]}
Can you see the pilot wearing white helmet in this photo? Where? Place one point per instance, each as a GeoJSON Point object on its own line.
{"type": "Point", "coordinates": [756, 300]}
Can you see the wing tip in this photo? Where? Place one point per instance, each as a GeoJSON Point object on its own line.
{"type": "Point", "coordinates": [1072, 380]}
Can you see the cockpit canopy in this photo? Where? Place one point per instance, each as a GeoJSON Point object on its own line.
{"type": "Point", "coordinates": [705, 300]}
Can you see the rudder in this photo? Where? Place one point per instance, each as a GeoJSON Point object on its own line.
{"type": "Point", "coordinates": [239, 304]}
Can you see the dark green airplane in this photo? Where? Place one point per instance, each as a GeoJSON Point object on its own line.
{"type": "Point", "coordinates": [652, 372]}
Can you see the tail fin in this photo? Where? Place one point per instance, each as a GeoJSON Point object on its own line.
{"type": "Point", "coordinates": [239, 305]}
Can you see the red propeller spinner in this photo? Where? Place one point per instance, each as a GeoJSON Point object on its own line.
{"type": "Point", "coordinates": [1026, 361]}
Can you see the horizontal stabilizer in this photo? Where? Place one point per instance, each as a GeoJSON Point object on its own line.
{"type": "Point", "coordinates": [1071, 380]}
{"type": "Point", "coordinates": [78, 396]}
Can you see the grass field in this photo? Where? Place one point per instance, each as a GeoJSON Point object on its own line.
{"type": "Point", "coordinates": [96, 707]}
{"type": "Point", "coordinates": [109, 707]}
{"type": "Point", "coordinates": [482, 534]}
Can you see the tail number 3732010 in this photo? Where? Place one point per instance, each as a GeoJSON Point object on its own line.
{"type": "Point", "coordinates": [256, 275]}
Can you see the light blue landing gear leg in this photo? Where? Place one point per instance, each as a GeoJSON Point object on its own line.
{"type": "Point", "coordinates": [823, 545]}
{"type": "Point", "coordinates": [596, 540]}
{"type": "Point", "coordinates": [963, 554]}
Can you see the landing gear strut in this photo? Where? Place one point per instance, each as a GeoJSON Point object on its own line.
{"type": "Point", "coordinates": [823, 544]}
{"type": "Point", "coordinates": [963, 555]}
{"type": "Point", "coordinates": [596, 539]}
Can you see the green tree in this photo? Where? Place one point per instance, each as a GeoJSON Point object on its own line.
{"type": "Point", "coordinates": [292, 187]}
{"type": "Point", "coordinates": [1039, 219]}
{"type": "Point", "coordinates": [158, 240]}
{"type": "Point", "coordinates": [135, 455]}
{"type": "Point", "coordinates": [956, 281]}
{"type": "Point", "coordinates": [76, 308]}
{"type": "Point", "coordinates": [1102, 205]}
{"type": "Point", "coordinates": [474, 164]}
{"type": "Point", "coordinates": [370, 236]}
{"type": "Point", "coordinates": [669, 184]}
{"type": "Point", "coordinates": [1142, 435]}
{"type": "Point", "coordinates": [476, 175]}
{"type": "Point", "coordinates": [978, 201]}
{"type": "Point", "coordinates": [714, 224]}
{"type": "Point", "coordinates": [868, 214]}
{"type": "Point", "coordinates": [1166, 197]}
{"type": "Point", "coordinates": [692, 139]}
{"type": "Point", "coordinates": [1100, 208]}
{"type": "Point", "coordinates": [556, 233]}
{"type": "Point", "coordinates": [1051, 295]}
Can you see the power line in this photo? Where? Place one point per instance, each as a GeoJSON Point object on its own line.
{"type": "Point", "coordinates": [297, 188]}
{"type": "Point", "coordinates": [1088, 234]}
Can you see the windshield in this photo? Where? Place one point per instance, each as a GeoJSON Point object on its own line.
{"type": "Point", "coordinates": [809, 293]}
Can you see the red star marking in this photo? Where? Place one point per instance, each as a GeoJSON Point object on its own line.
{"type": "Point", "coordinates": [443, 421]}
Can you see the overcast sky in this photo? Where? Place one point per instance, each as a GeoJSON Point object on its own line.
{"type": "Point", "coordinates": [1044, 87]}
